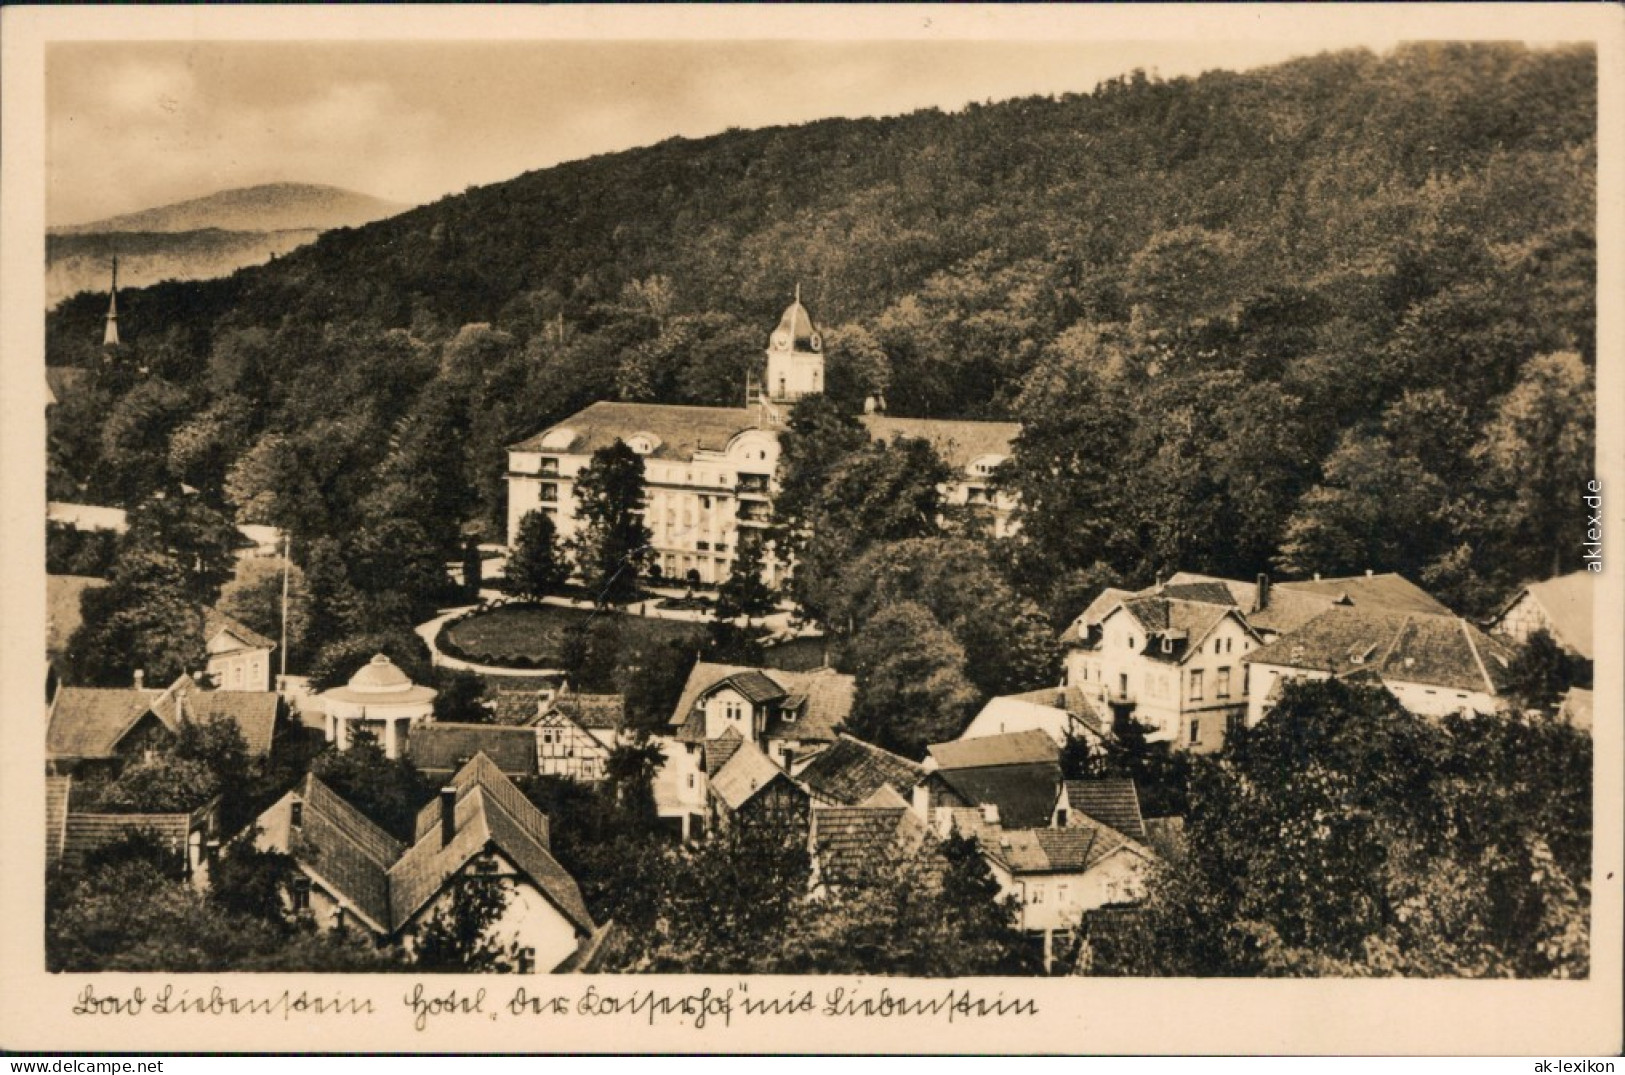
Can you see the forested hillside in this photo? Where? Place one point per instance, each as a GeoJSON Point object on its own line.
{"type": "Point", "coordinates": [1328, 316]}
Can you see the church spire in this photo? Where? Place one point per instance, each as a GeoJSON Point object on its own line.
{"type": "Point", "coordinates": [110, 333]}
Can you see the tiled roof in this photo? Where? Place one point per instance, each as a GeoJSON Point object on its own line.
{"type": "Point", "coordinates": [489, 812]}
{"type": "Point", "coordinates": [1212, 592]}
{"type": "Point", "coordinates": [958, 443]}
{"type": "Point", "coordinates": [1186, 622]}
{"type": "Point", "coordinates": [88, 722]}
{"type": "Point", "coordinates": [681, 430]}
{"type": "Point", "coordinates": [1388, 591]}
{"type": "Point", "coordinates": [481, 771]}
{"type": "Point", "coordinates": [83, 833]}
{"type": "Point", "coordinates": [215, 621]}
{"type": "Point", "coordinates": [849, 840]}
{"type": "Point", "coordinates": [62, 610]}
{"type": "Point", "coordinates": [754, 685]}
{"type": "Point", "coordinates": [716, 753]}
{"type": "Point", "coordinates": [1024, 794]}
{"type": "Point", "coordinates": [1069, 850]}
{"type": "Point", "coordinates": [338, 844]}
{"type": "Point", "coordinates": [1289, 605]}
{"type": "Point", "coordinates": [515, 708]}
{"type": "Point", "coordinates": [443, 747]}
{"type": "Point", "coordinates": [1442, 651]}
{"type": "Point", "coordinates": [599, 712]}
{"type": "Point", "coordinates": [747, 772]}
{"type": "Point", "coordinates": [57, 789]}
{"type": "Point", "coordinates": [1011, 748]}
{"type": "Point", "coordinates": [850, 772]}
{"type": "Point", "coordinates": [829, 700]}
{"type": "Point", "coordinates": [254, 713]}
{"type": "Point", "coordinates": [1112, 801]}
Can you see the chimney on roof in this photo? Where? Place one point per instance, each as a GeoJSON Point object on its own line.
{"type": "Point", "coordinates": [448, 815]}
{"type": "Point", "coordinates": [1262, 600]}
{"type": "Point", "coordinates": [140, 678]}
{"type": "Point", "coordinates": [990, 813]}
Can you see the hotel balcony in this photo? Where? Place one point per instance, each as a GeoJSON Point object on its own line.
{"type": "Point", "coordinates": [754, 515]}
{"type": "Point", "coordinates": [753, 487]}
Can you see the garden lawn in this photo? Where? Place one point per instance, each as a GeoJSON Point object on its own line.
{"type": "Point", "coordinates": [537, 632]}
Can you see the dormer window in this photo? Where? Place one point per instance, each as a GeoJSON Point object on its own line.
{"type": "Point", "coordinates": [1167, 645]}
{"type": "Point", "coordinates": [643, 443]}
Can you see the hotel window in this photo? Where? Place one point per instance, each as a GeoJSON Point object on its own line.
{"type": "Point", "coordinates": [1221, 687]}
{"type": "Point", "coordinates": [1196, 685]}
{"type": "Point", "coordinates": [1035, 894]}
{"type": "Point", "coordinates": [1196, 731]}
{"type": "Point", "coordinates": [733, 711]}
{"type": "Point", "coordinates": [301, 894]}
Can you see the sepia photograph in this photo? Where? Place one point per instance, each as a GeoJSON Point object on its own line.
{"type": "Point", "coordinates": [973, 510]}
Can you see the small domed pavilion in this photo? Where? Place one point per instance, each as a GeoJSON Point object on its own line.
{"type": "Point", "coordinates": [380, 699]}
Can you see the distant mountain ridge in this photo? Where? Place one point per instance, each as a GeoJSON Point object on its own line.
{"type": "Point", "coordinates": [267, 207]}
{"type": "Point", "coordinates": [202, 238]}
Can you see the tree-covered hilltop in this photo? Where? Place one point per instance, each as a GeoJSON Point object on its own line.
{"type": "Point", "coordinates": [1250, 321]}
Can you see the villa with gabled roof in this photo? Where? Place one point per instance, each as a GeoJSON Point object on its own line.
{"type": "Point", "coordinates": [479, 827]}
{"type": "Point", "coordinates": [1172, 656]}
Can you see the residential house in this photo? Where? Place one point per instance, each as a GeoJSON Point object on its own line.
{"type": "Point", "coordinates": [381, 700]}
{"type": "Point", "coordinates": [343, 858]}
{"type": "Point", "coordinates": [787, 715]}
{"type": "Point", "coordinates": [239, 656]}
{"type": "Point", "coordinates": [577, 732]}
{"type": "Point", "coordinates": [1011, 779]}
{"type": "Point", "coordinates": [1434, 664]}
{"type": "Point", "coordinates": [748, 789]}
{"type": "Point", "coordinates": [480, 826]}
{"type": "Point", "coordinates": [1171, 656]}
{"type": "Point", "coordinates": [1063, 714]}
{"type": "Point", "coordinates": [1057, 875]}
{"type": "Point", "coordinates": [94, 730]}
{"type": "Point", "coordinates": [851, 772]}
{"type": "Point", "coordinates": [1562, 607]}
{"type": "Point", "coordinates": [441, 748]}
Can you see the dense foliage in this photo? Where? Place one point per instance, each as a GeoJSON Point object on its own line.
{"type": "Point", "coordinates": [1346, 836]}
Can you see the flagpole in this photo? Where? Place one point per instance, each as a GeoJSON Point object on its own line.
{"type": "Point", "coordinates": [287, 562]}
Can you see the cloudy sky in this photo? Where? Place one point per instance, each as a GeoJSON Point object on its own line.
{"type": "Point", "coordinates": [132, 125]}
